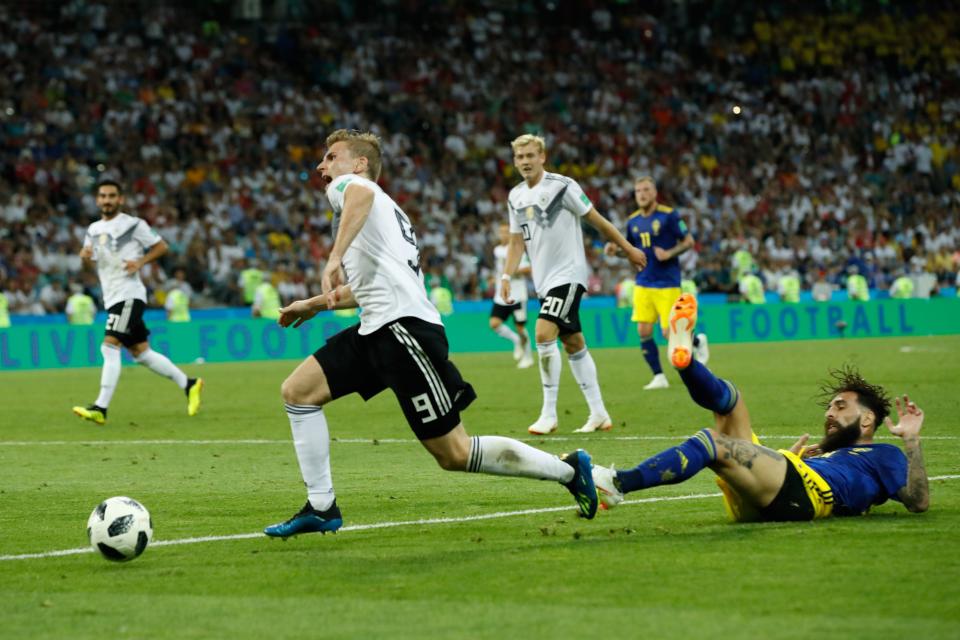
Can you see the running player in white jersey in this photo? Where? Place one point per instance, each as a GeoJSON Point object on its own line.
{"type": "Point", "coordinates": [545, 211]}
{"type": "Point", "coordinates": [121, 244]}
{"type": "Point", "coordinates": [399, 344]}
{"type": "Point", "coordinates": [501, 311]}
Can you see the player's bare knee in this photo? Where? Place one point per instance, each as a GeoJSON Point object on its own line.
{"type": "Point", "coordinates": [451, 460]}
{"type": "Point", "coordinates": [495, 322]}
{"type": "Point", "coordinates": [574, 343]}
{"type": "Point", "coordinates": [294, 391]}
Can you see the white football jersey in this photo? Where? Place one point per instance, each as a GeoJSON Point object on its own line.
{"type": "Point", "coordinates": [383, 262]}
{"type": "Point", "coordinates": [548, 215]}
{"type": "Point", "coordinates": [115, 241]}
{"type": "Point", "coordinates": [518, 284]}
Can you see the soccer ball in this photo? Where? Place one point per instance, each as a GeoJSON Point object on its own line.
{"type": "Point", "coordinates": [120, 529]}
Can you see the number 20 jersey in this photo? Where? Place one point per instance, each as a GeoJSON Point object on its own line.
{"type": "Point", "coordinates": [383, 262]}
{"type": "Point", "coordinates": [548, 215]}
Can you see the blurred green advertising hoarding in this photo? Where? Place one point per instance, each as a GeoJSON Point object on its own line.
{"type": "Point", "coordinates": [44, 346]}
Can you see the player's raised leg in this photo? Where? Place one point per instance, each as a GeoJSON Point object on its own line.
{"type": "Point", "coordinates": [431, 391]}
{"type": "Point", "coordinates": [305, 392]}
{"type": "Point", "coordinates": [755, 473]}
{"type": "Point", "coordinates": [163, 366]}
{"type": "Point", "coordinates": [109, 376]}
{"type": "Point", "coordinates": [499, 456]}
{"type": "Point", "coordinates": [707, 390]}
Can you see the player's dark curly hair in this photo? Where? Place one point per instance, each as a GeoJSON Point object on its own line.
{"type": "Point", "coordinates": [107, 182]}
{"type": "Point", "coordinates": [847, 378]}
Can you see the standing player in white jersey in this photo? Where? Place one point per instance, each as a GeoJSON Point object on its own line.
{"type": "Point", "coordinates": [545, 211]}
{"type": "Point", "coordinates": [500, 311]}
{"type": "Point", "coordinates": [399, 344]}
{"type": "Point", "coordinates": [121, 244]}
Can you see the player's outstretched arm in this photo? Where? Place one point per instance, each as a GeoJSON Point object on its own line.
{"type": "Point", "coordinates": [681, 247]}
{"type": "Point", "coordinates": [514, 253]}
{"type": "Point", "coordinates": [155, 252]}
{"type": "Point", "coordinates": [916, 495]}
{"type": "Point", "coordinates": [296, 313]}
{"type": "Point", "coordinates": [610, 232]}
{"type": "Point", "coordinates": [357, 203]}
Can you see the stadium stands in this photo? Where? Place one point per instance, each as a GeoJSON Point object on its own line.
{"type": "Point", "coordinates": [815, 139]}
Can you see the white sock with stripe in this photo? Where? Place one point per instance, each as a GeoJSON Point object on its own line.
{"type": "Point", "coordinates": [160, 364]}
{"type": "Point", "coordinates": [506, 332]}
{"type": "Point", "coordinates": [550, 364]}
{"type": "Point", "coordinates": [109, 375]}
{"type": "Point", "coordinates": [311, 439]}
{"type": "Point", "coordinates": [585, 372]}
{"type": "Point", "coordinates": [499, 456]}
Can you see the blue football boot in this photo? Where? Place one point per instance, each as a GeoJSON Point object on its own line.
{"type": "Point", "coordinates": [308, 520]}
{"type": "Point", "coordinates": [582, 486]}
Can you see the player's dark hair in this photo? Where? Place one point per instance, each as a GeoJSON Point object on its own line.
{"type": "Point", "coordinates": [871, 396]}
{"type": "Point", "coordinates": [108, 182]}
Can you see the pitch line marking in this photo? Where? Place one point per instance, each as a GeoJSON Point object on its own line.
{"type": "Point", "coordinates": [97, 443]}
{"type": "Point", "coordinates": [385, 525]}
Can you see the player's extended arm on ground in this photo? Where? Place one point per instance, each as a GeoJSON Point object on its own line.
{"type": "Point", "coordinates": [514, 253]}
{"type": "Point", "coordinates": [357, 203]}
{"type": "Point", "coordinates": [666, 254]}
{"type": "Point", "coordinates": [916, 495]}
{"type": "Point", "coordinates": [610, 232]}
{"type": "Point", "coordinates": [155, 252]}
{"type": "Point", "coordinates": [296, 313]}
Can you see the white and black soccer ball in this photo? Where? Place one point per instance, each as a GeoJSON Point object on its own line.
{"type": "Point", "coordinates": [120, 528]}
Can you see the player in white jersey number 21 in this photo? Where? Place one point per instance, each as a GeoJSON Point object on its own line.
{"type": "Point", "coordinates": [121, 244]}
{"type": "Point", "coordinates": [545, 211]}
{"type": "Point", "coordinates": [399, 344]}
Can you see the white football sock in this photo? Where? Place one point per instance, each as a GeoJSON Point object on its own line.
{"type": "Point", "coordinates": [160, 364]}
{"type": "Point", "coordinates": [550, 365]}
{"type": "Point", "coordinates": [109, 375]}
{"type": "Point", "coordinates": [585, 372]}
{"type": "Point", "coordinates": [506, 332]}
{"type": "Point", "coordinates": [311, 439]}
{"type": "Point", "coordinates": [500, 456]}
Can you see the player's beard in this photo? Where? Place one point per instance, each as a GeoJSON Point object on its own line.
{"type": "Point", "coordinates": [842, 436]}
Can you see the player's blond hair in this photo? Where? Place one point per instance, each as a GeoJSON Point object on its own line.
{"type": "Point", "coordinates": [529, 138]}
{"type": "Point", "coordinates": [645, 179]}
{"type": "Point", "coordinates": [362, 144]}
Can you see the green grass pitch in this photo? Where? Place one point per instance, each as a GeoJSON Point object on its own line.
{"type": "Point", "coordinates": [655, 568]}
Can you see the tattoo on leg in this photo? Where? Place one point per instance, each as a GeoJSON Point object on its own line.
{"type": "Point", "coordinates": [742, 452]}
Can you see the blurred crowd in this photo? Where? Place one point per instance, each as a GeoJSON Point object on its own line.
{"type": "Point", "coordinates": [820, 138]}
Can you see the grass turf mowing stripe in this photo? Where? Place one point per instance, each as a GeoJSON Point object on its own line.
{"type": "Point", "coordinates": [384, 525]}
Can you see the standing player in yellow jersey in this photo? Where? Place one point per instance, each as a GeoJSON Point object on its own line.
{"type": "Point", "coordinates": [658, 231]}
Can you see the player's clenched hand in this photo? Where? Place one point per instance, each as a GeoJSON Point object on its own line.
{"type": "Point", "coordinates": [909, 419]}
{"type": "Point", "coordinates": [637, 257]}
{"type": "Point", "coordinates": [296, 313]}
{"type": "Point", "coordinates": [798, 446]}
{"type": "Point", "coordinates": [801, 449]}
